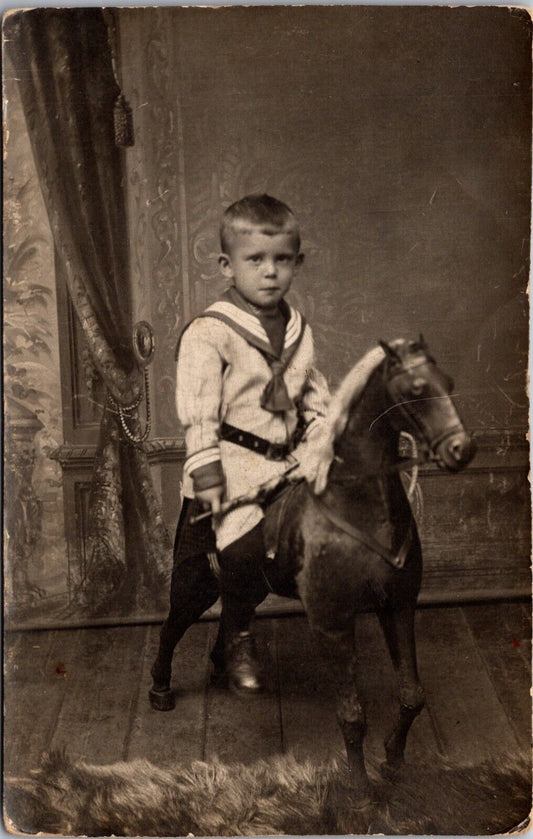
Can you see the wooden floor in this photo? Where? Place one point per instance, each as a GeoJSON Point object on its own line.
{"type": "Point", "coordinates": [86, 690]}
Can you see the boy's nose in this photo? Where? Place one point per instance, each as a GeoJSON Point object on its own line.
{"type": "Point", "coordinates": [270, 269]}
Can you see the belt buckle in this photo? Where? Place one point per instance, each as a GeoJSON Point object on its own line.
{"type": "Point", "coordinates": [276, 451]}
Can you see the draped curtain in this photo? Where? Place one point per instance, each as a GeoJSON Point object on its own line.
{"type": "Point", "coordinates": [63, 65]}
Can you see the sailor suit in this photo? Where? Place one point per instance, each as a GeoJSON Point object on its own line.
{"type": "Point", "coordinates": [228, 373]}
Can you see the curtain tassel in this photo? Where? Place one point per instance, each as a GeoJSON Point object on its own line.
{"type": "Point", "coordinates": [122, 112]}
{"type": "Point", "coordinates": [123, 122]}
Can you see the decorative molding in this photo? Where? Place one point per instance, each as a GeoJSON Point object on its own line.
{"type": "Point", "coordinates": [166, 449]}
{"type": "Point", "coordinates": [159, 450]}
{"type": "Point", "coordinates": [497, 449]}
{"type": "Point", "coordinates": [71, 456]}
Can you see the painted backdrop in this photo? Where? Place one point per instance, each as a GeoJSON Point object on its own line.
{"type": "Point", "coordinates": [401, 139]}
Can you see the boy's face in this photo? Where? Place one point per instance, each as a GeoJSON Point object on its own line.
{"type": "Point", "coordinates": [261, 266]}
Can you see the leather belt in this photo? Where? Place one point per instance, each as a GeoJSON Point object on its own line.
{"type": "Point", "coordinates": [272, 451]}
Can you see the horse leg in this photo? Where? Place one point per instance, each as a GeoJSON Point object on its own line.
{"type": "Point", "coordinates": [351, 718]}
{"type": "Point", "coordinates": [352, 721]}
{"type": "Point", "coordinates": [398, 628]}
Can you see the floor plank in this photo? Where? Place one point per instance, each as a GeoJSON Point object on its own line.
{"type": "Point", "coordinates": [177, 736]}
{"type": "Point", "coordinates": [307, 694]}
{"type": "Point", "coordinates": [467, 713]}
{"type": "Point", "coordinates": [87, 690]}
{"type": "Point", "coordinates": [37, 677]}
{"type": "Point", "coordinates": [94, 719]}
{"type": "Point", "coordinates": [379, 693]}
{"type": "Point", "coordinates": [503, 636]}
{"type": "Point", "coordinates": [245, 730]}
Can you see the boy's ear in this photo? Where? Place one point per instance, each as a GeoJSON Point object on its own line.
{"type": "Point", "coordinates": [224, 262]}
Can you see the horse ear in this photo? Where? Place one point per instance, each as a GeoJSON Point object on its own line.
{"type": "Point", "coordinates": [390, 352]}
{"type": "Point", "coordinates": [422, 342]}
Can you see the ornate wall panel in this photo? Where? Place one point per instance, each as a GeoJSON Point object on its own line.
{"type": "Point", "coordinates": [157, 224]}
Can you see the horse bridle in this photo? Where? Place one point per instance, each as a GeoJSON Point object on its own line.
{"type": "Point", "coordinates": [396, 560]}
{"type": "Point", "coordinates": [400, 403]}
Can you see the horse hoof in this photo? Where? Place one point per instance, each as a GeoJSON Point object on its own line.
{"type": "Point", "coordinates": [389, 771]}
{"type": "Point", "coordinates": [162, 700]}
{"type": "Point", "coordinates": [362, 804]}
{"type": "Point", "coordinates": [349, 810]}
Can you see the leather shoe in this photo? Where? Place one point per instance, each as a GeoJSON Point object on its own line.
{"type": "Point", "coordinates": [242, 667]}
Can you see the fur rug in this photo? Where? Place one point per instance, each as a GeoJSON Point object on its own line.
{"type": "Point", "coordinates": [276, 796]}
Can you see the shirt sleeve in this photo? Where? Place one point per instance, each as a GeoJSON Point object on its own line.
{"type": "Point", "coordinates": [198, 395]}
{"type": "Point", "coordinates": [315, 397]}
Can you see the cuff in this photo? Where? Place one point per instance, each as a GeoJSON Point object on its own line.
{"type": "Point", "coordinates": [208, 476]}
{"type": "Point", "coordinates": [205, 468]}
{"type": "Point", "coordinates": [201, 458]}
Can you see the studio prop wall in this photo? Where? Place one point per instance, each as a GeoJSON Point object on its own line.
{"type": "Point", "coordinates": [401, 139]}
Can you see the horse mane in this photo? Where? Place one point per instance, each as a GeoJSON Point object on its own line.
{"type": "Point", "coordinates": [350, 389]}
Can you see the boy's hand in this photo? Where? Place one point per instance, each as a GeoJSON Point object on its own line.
{"type": "Point", "coordinates": [315, 455]}
{"type": "Point", "coordinates": [211, 497]}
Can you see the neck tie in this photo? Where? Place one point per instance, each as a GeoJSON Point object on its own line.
{"type": "Point", "coordinates": [275, 397]}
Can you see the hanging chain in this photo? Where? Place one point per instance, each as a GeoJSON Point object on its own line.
{"type": "Point", "coordinates": [125, 413]}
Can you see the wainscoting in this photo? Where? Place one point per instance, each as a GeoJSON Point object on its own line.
{"type": "Point", "coordinates": [474, 526]}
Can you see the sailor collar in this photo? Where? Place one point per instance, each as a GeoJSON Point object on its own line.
{"type": "Point", "coordinates": [249, 327]}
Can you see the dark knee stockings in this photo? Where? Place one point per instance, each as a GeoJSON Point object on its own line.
{"type": "Point", "coordinates": [194, 589]}
{"type": "Point", "coordinates": [242, 582]}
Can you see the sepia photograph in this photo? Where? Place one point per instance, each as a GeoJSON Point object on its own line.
{"type": "Point", "coordinates": [267, 510]}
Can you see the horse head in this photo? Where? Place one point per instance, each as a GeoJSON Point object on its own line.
{"type": "Point", "coordinates": [419, 397]}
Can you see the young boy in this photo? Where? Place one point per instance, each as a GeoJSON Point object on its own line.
{"type": "Point", "coordinates": [245, 382]}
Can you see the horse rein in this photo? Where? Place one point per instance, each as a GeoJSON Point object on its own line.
{"type": "Point", "coordinates": [396, 560]}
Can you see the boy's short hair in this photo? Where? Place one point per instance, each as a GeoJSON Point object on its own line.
{"type": "Point", "coordinates": [264, 211]}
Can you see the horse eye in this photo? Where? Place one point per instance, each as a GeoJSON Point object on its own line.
{"type": "Point", "coordinates": [418, 386]}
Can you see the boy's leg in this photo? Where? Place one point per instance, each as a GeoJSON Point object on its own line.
{"type": "Point", "coordinates": [194, 588]}
{"type": "Point", "coordinates": [242, 587]}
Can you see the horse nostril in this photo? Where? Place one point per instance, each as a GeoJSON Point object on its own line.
{"type": "Point", "coordinates": [462, 449]}
{"type": "Point", "coordinates": [456, 449]}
